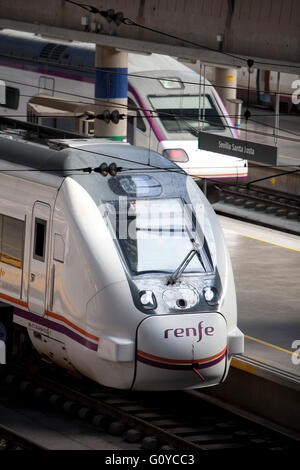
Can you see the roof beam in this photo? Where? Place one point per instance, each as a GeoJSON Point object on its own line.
{"type": "Point", "coordinates": [244, 28]}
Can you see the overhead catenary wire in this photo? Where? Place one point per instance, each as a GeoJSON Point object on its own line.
{"type": "Point", "coordinates": [147, 166]}
{"type": "Point", "coordinates": [87, 169]}
{"type": "Point", "coordinates": [143, 77]}
{"type": "Point", "coordinates": [91, 69]}
{"type": "Point", "coordinates": [158, 116]}
{"type": "Point", "coordinates": [144, 109]}
{"type": "Point", "coordinates": [120, 19]}
{"type": "Point", "coordinates": [131, 22]}
{"type": "Point", "coordinates": [288, 131]}
{"type": "Point", "coordinates": [111, 104]}
{"type": "Point", "coordinates": [195, 130]}
{"type": "Point", "coordinates": [173, 170]}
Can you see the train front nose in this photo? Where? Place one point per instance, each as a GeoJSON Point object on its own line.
{"type": "Point", "coordinates": [181, 351]}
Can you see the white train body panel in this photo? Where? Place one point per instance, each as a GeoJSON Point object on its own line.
{"type": "Point", "coordinates": [77, 285]}
{"type": "Point", "coordinates": [213, 165]}
{"type": "Point", "coordinates": [28, 71]}
{"type": "Point", "coordinates": [157, 337]}
{"type": "Point", "coordinates": [262, 86]}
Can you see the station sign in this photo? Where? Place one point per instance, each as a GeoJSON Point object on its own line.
{"type": "Point", "coordinates": [252, 151]}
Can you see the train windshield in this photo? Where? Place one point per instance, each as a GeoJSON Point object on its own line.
{"type": "Point", "coordinates": [184, 113]}
{"type": "Point", "coordinates": [155, 235]}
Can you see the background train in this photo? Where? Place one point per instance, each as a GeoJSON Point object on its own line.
{"type": "Point", "coordinates": [118, 273]}
{"type": "Point", "coordinates": [31, 65]}
{"type": "Point", "coordinates": [262, 87]}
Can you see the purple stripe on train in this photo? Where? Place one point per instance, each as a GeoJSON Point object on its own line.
{"type": "Point", "coordinates": [154, 127]}
{"type": "Point", "coordinates": [69, 74]}
{"type": "Point", "coordinates": [55, 327]}
{"type": "Point", "coordinates": [181, 367]}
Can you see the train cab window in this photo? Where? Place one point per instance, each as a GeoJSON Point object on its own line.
{"type": "Point", "coordinates": [139, 120]}
{"type": "Point", "coordinates": [164, 232]}
{"type": "Point", "coordinates": [39, 239]}
{"type": "Point", "coordinates": [171, 83]}
{"type": "Point", "coordinates": [12, 98]}
{"type": "Point", "coordinates": [11, 241]}
{"type": "Point", "coordinates": [180, 113]}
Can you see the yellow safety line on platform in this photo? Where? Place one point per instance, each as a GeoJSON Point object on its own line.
{"type": "Point", "coordinates": [261, 239]}
{"type": "Point", "coordinates": [243, 366]}
{"type": "Point", "coordinates": [290, 158]}
{"type": "Point", "coordinates": [272, 345]}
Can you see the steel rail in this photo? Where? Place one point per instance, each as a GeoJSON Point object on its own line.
{"type": "Point", "coordinates": [159, 422]}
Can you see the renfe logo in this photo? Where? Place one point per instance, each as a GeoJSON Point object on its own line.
{"type": "Point", "coordinates": [191, 331]}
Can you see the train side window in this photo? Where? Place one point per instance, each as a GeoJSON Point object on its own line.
{"type": "Point", "coordinates": [1, 224]}
{"type": "Point", "coordinates": [59, 248]}
{"type": "Point", "coordinates": [46, 86]}
{"type": "Point", "coordinates": [12, 241]}
{"type": "Point", "coordinates": [39, 239]}
{"type": "Point", "coordinates": [12, 98]}
{"type": "Point", "coordinates": [139, 120]}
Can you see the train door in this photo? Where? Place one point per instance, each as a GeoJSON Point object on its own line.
{"type": "Point", "coordinates": [46, 86]}
{"type": "Point", "coordinates": [138, 129]}
{"type": "Point", "coordinates": [38, 263]}
{"type": "Point", "coordinates": [263, 87]}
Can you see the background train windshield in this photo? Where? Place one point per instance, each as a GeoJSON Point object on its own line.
{"type": "Point", "coordinates": [155, 235]}
{"type": "Point", "coordinates": [180, 113]}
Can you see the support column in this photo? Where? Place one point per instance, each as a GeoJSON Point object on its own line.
{"type": "Point", "coordinates": [2, 352]}
{"type": "Point", "coordinates": [277, 109]}
{"type": "Point", "coordinates": [111, 89]}
{"type": "Point", "coordinates": [225, 84]}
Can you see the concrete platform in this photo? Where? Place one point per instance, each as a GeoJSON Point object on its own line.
{"type": "Point", "coordinates": [266, 265]}
{"type": "Point", "coordinates": [263, 121]}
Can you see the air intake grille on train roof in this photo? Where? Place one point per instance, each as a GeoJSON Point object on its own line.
{"type": "Point", "coordinates": [52, 51]}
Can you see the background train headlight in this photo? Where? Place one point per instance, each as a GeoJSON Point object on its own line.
{"type": "Point", "coordinates": [148, 299]}
{"type": "Point", "coordinates": [211, 295]}
{"type": "Point", "coordinates": [176, 155]}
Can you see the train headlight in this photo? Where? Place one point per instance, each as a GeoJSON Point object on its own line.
{"type": "Point", "coordinates": [176, 155]}
{"type": "Point", "coordinates": [211, 295]}
{"type": "Point", "coordinates": [148, 299]}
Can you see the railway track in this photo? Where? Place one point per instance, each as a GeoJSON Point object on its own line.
{"type": "Point", "coordinates": [262, 200]}
{"type": "Point", "coordinates": [10, 440]}
{"type": "Point", "coordinates": [261, 206]}
{"type": "Point", "coordinates": [154, 421]}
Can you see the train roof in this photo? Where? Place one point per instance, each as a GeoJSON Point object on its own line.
{"type": "Point", "coordinates": [27, 46]}
{"type": "Point", "coordinates": [30, 47]}
{"type": "Point", "coordinates": [69, 157]}
{"type": "Point", "coordinates": [168, 82]}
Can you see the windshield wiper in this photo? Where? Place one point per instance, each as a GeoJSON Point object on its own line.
{"type": "Point", "coordinates": [194, 251]}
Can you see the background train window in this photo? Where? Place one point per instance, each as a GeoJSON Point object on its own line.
{"type": "Point", "coordinates": [0, 237]}
{"type": "Point", "coordinates": [46, 86]}
{"type": "Point", "coordinates": [139, 120]}
{"type": "Point", "coordinates": [181, 114]}
{"type": "Point", "coordinates": [11, 241]}
{"type": "Point", "coordinates": [12, 98]}
{"type": "Point", "coordinates": [171, 83]}
{"type": "Point", "coordinates": [39, 239]}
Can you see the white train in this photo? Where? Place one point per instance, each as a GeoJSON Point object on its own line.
{"type": "Point", "coordinates": [31, 65]}
{"type": "Point", "coordinates": [124, 279]}
{"type": "Point", "coordinates": [262, 87]}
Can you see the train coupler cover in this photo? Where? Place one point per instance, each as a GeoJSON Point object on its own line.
{"type": "Point", "coordinates": [181, 351]}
